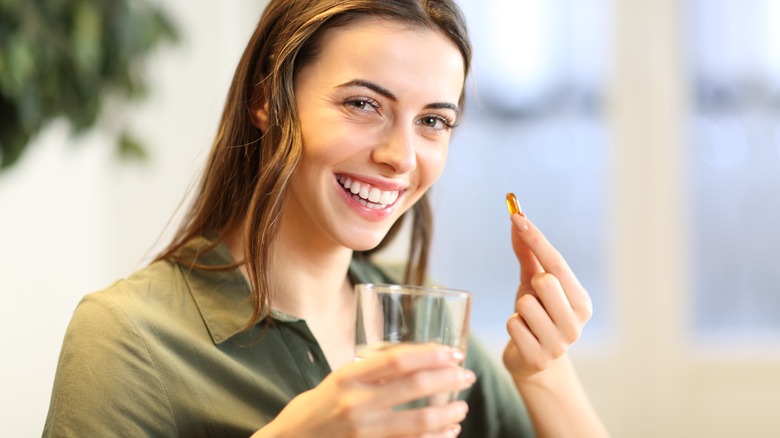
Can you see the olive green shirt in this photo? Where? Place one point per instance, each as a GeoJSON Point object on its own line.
{"type": "Point", "coordinates": [163, 353]}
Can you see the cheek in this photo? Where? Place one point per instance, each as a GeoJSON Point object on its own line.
{"type": "Point", "coordinates": [328, 147]}
{"type": "Point", "coordinates": [432, 164]}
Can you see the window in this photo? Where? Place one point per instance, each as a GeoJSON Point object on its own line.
{"type": "Point", "coordinates": [735, 167]}
{"type": "Point", "coordinates": [534, 126]}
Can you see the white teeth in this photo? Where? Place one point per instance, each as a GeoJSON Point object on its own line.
{"type": "Point", "coordinates": [374, 195]}
{"type": "Point", "coordinates": [366, 195]}
{"type": "Point", "coordinates": [384, 199]}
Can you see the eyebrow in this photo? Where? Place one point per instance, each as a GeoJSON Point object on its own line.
{"type": "Point", "coordinates": [388, 94]}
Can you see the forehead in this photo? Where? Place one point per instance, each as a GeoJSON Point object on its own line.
{"type": "Point", "coordinates": [395, 53]}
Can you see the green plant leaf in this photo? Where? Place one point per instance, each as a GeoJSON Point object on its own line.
{"type": "Point", "coordinates": [62, 58]}
{"type": "Point", "coordinates": [130, 147]}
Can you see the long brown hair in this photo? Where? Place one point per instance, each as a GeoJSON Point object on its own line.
{"type": "Point", "coordinates": [248, 170]}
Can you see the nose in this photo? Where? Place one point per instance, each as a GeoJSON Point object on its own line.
{"type": "Point", "coordinates": [397, 150]}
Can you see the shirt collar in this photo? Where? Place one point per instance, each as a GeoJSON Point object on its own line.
{"type": "Point", "coordinates": [224, 296]}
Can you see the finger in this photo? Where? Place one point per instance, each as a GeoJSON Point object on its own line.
{"type": "Point", "coordinates": [401, 359]}
{"type": "Point", "coordinates": [424, 384]}
{"type": "Point", "coordinates": [451, 431]}
{"type": "Point", "coordinates": [433, 421]}
{"type": "Point", "coordinates": [550, 293]}
{"type": "Point", "coordinates": [448, 432]}
{"type": "Point", "coordinates": [523, 337]}
{"type": "Point", "coordinates": [529, 265]}
{"type": "Point", "coordinates": [542, 327]}
{"type": "Point", "coordinates": [531, 240]}
{"type": "Point", "coordinates": [552, 262]}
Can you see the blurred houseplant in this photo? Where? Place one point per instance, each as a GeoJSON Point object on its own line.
{"type": "Point", "coordinates": [64, 58]}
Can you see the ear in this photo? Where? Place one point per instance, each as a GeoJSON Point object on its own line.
{"type": "Point", "coordinates": [260, 117]}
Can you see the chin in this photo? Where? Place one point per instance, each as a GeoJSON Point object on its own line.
{"type": "Point", "coordinates": [364, 242]}
{"type": "Point", "coordinates": [364, 246]}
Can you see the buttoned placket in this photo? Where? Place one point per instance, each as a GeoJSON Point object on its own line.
{"type": "Point", "coordinates": [306, 350]}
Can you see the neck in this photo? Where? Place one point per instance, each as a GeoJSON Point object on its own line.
{"type": "Point", "coordinates": [308, 277]}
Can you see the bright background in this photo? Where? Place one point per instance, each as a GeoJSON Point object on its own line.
{"type": "Point", "coordinates": [642, 137]}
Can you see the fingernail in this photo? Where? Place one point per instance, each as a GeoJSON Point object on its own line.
{"type": "Point", "coordinates": [457, 355]}
{"type": "Point", "coordinates": [520, 222]}
{"type": "Point", "coordinates": [455, 430]}
{"type": "Point", "coordinates": [468, 376]}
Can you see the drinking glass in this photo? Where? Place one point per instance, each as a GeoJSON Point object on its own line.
{"type": "Point", "coordinates": [390, 314]}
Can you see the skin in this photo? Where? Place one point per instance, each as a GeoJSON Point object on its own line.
{"type": "Point", "coordinates": [391, 138]}
{"type": "Point", "coordinates": [376, 106]}
{"type": "Point", "coordinates": [551, 309]}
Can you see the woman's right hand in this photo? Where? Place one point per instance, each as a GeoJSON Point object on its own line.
{"type": "Point", "coordinates": [357, 399]}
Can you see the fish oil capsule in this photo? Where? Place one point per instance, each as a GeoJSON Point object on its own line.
{"type": "Point", "coordinates": [512, 205]}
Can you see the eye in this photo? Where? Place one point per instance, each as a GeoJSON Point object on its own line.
{"type": "Point", "coordinates": [362, 104]}
{"type": "Point", "coordinates": [436, 122]}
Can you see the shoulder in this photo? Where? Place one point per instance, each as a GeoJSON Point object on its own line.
{"type": "Point", "coordinates": [106, 345]}
{"type": "Point", "coordinates": [122, 319]}
{"type": "Point", "coordinates": [151, 289]}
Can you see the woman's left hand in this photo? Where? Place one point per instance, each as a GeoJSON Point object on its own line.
{"type": "Point", "coordinates": [551, 306]}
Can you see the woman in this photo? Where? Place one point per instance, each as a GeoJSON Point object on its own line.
{"type": "Point", "coordinates": [336, 124]}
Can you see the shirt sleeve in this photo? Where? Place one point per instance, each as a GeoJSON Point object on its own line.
{"type": "Point", "coordinates": [106, 382]}
{"type": "Point", "coordinates": [496, 409]}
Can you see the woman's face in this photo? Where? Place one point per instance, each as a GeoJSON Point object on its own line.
{"type": "Point", "coordinates": [376, 108]}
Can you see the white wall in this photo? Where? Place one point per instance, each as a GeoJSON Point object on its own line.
{"type": "Point", "coordinates": [73, 218]}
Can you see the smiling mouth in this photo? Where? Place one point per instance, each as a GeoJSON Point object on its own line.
{"type": "Point", "coordinates": [366, 195]}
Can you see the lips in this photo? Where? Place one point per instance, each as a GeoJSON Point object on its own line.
{"type": "Point", "coordinates": [366, 195]}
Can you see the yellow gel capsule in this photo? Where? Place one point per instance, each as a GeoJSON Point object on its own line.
{"type": "Point", "coordinates": [512, 205]}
